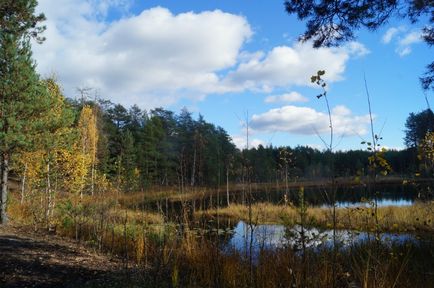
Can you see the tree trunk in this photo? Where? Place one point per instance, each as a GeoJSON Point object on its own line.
{"type": "Point", "coordinates": [286, 184]}
{"type": "Point", "coordinates": [227, 186]}
{"type": "Point", "coordinates": [92, 179]}
{"type": "Point", "coordinates": [23, 184]}
{"type": "Point", "coordinates": [49, 197]}
{"type": "Point", "coordinates": [4, 188]}
{"type": "Point", "coordinates": [194, 168]}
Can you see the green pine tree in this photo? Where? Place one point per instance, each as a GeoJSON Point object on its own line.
{"type": "Point", "coordinates": [21, 90]}
{"type": "Point", "coordinates": [128, 162]}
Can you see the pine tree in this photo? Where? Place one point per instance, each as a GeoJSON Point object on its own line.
{"type": "Point", "coordinates": [42, 162]}
{"type": "Point", "coordinates": [129, 170]}
{"type": "Point", "coordinates": [21, 91]}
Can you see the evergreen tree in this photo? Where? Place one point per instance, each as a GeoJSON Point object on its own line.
{"type": "Point", "coordinates": [21, 92]}
{"type": "Point", "coordinates": [185, 146]}
{"type": "Point", "coordinates": [417, 126]}
{"type": "Point", "coordinates": [128, 162]}
{"type": "Point", "coordinates": [166, 146]}
{"type": "Point", "coordinates": [152, 133]}
{"type": "Point", "coordinates": [42, 164]}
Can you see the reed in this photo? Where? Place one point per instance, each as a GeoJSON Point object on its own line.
{"type": "Point", "coordinates": [396, 219]}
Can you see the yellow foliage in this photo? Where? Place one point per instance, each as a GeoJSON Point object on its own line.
{"type": "Point", "coordinates": [378, 161]}
{"type": "Point", "coordinates": [87, 146]}
{"type": "Point", "coordinates": [88, 132]}
{"type": "Point", "coordinates": [426, 150]}
{"type": "Point", "coordinates": [74, 166]}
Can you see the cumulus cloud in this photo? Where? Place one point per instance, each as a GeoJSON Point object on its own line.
{"type": "Point", "coordinates": [286, 66]}
{"type": "Point", "coordinates": [138, 57]}
{"type": "Point", "coordinates": [308, 121]}
{"type": "Point", "coordinates": [287, 97]}
{"type": "Point", "coordinates": [241, 142]}
{"type": "Point", "coordinates": [157, 57]}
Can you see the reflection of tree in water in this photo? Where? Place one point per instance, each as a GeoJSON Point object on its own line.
{"type": "Point", "coordinates": [352, 194]}
{"type": "Point", "coordinates": [268, 237]}
{"type": "Point", "coordinates": [390, 194]}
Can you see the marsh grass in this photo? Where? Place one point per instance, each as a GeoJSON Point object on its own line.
{"type": "Point", "coordinates": [167, 254]}
{"type": "Point", "coordinates": [391, 218]}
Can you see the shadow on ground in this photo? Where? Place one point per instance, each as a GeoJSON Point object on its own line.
{"type": "Point", "coordinates": [29, 262]}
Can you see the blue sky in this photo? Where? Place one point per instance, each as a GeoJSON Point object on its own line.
{"type": "Point", "coordinates": [229, 59]}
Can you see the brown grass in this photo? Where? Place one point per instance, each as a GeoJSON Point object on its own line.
{"type": "Point", "coordinates": [171, 257]}
{"type": "Point", "coordinates": [408, 218]}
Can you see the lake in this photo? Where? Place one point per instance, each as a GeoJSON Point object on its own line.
{"type": "Point", "coordinates": [346, 196]}
{"type": "Point", "coordinates": [279, 236]}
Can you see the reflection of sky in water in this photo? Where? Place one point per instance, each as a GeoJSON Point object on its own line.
{"type": "Point", "coordinates": [266, 236]}
{"type": "Point", "coordinates": [277, 236]}
{"type": "Point", "coordinates": [380, 203]}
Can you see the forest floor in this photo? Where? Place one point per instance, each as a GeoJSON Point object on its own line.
{"type": "Point", "coordinates": [29, 259]}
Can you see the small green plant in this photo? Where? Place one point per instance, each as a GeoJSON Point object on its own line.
{"type": "Point", "coordinates": [426, 153]}
{"type": "Point", "coordinates": [76, 213]}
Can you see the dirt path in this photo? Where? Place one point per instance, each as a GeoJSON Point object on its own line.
{"type": "Point", "coordinates": [37, 260]}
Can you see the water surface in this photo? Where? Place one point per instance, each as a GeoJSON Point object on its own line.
{"type": "Point", "coordinates": [279, 236]}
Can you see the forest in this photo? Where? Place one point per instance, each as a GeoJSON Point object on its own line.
{"type": "Point", "coordinates": [173, 202]}
{"type": "Point", "coordinates": [134, 150]}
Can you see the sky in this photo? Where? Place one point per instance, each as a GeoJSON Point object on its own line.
{"type": "Point", "coordinates": [239, 64]}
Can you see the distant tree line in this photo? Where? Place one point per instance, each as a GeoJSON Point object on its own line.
{"type": "Point", "coordinates": [138, 149]}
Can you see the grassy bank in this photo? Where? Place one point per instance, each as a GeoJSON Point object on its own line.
{"type": "Point", "coordinates": [173, 194]}
{"type": "Point", "coordinates": [419, 216]}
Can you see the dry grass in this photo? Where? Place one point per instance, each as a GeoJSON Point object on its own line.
{"type": "Point", "coordinates": [175, 258]}
{"type": "Point", "coordinates": [416, 217]}
{"type": "Point", "coordinates": [263, 213]}
{"type": "Point", "coordinates": [171, 194]}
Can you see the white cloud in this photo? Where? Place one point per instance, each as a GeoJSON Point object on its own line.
{"type": "Point", "coordinates": [287, 97]}
{"type": "Point", "coordinates": [155, 58]}
{"type": "Point", "coordinates": [390, 33]}
{"type": "Point", "coordinates": [404, 44]}
{"type": "Point", "coordinates": [356, 49]}
{"type": "Point", "coordinates": [285, 66]}
{"type": "Point", "coordinates": [138, 57]}
{"type": "Point", "coordinates": [315, 146]}
{"type": "Point", "coordinates": [403, 51]}
{"type": "Point", "coordinates": [308, 121]}
{"type": "Point", "coordinates": [396, 148]}
{"type": "Point", "coordinates": [404, 40]}
{"type": "Point", "coordinates": [241, 142]}
{"type": "Point", "coordinates": [411, 38]}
